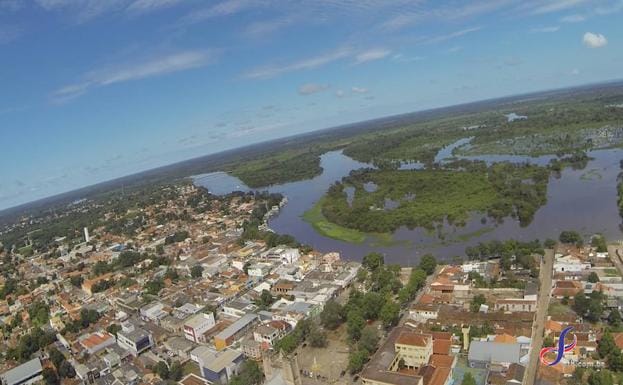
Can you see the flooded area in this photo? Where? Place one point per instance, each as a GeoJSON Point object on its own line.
{"type": "Point", "coordinates": [582, 200]}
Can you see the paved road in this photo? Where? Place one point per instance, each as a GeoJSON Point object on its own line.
{"type": "Point", "coordinates": [545, 289]}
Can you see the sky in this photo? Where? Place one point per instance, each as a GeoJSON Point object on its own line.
{"type": "Point", "coordinates": [91, 90]}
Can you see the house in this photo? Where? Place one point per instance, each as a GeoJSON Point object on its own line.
{"type": "Point", "coordinates": [96, 342]}
{"type": "Point", "coordinates": [238, 308]}
{"type": "Point", "coordinates": [421, 312]}
{"type": "Point", "coordinates": [569, 264]}
{"type": "Point", "coordinates": [153, 312]}
{"type": "Point", "coordinates": [483, 354]}
{"type": "Point", "coordinates": [414, 348]}
{"type": "Point", "coordinates": [27, 373]}
{"type": "Point", "coordinates": [408, 357]}
{"type": "Point", "coordinates": [566, 288]}
{"type": "Point", "coordinates": [196, 325]}
{"type": "Point", "coordinates": [217, 367]}
{"type": "Point", "coordinates": [259, 270]}
{"type": "Point", "coordinates": [234, 331]}
{"type": "Point", "coordinates": [193, 379]}
{"type": "Point", "coordinates": [134, 339]}
{"type": "Point", "coordinates": [271, 332]}
{"type": "Point", "coordinates": [515, 305]}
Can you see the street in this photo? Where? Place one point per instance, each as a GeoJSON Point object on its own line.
{"type": "Point", "coordinates": [545, 279]}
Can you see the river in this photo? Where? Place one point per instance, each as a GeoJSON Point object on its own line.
{"type": "Point", "coordinates": [581, 200]}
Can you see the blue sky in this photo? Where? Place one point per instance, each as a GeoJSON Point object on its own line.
{"type": "Point", "coordinates": [91, 90]}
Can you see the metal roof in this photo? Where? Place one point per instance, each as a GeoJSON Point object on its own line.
{"type": "Point", "coordinates": [22, 372]}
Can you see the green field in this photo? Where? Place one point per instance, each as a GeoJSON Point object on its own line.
{"type": "Point", "coordinates": [314, 217]}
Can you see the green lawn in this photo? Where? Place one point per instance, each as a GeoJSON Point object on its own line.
{"type": "Point", "coordinates": [314, 217]}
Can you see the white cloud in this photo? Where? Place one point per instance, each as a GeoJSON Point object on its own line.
{"type": "Point", "coordinates": [371, 55]}
{"type": "Point", "coordinates": [359, 90]}
{"type": "Point", "coordinates": [151, 5]}
{"type": "Point", "coordinates": [159, 66]}
{"type": "Point", "coordinates": [594, 40]}
{"type": "Point", "coordinates": [544, 7]}
{"type": "Point", "coordinates": [262, 28]}
{"type": "Point", "coordinates": [83, 10]}
{"type": "Point", "coordinates": [545, 29]}
{"type": "Point", "coordinates": [453, 35]}
{"type": "Point", "coordinates": [309, 63]}
{"type": "Point", "coordinates": [408, 17]}
{"type": "Point", "coordinates": [577, 18]}
{"type": "Point", "coordinates": [339, 93]}
{"type": "Point", "coordinates": [312, 88]}
{"type": "Point", "coordinates": [224, 8]}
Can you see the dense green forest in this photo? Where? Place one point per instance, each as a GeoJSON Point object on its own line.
{"type": "Point", "coordinates": [425, 198]}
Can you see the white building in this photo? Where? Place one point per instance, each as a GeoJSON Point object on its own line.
{"type": "Point", "coordinates": [196, 326]}
{"type": "Point", "coordinates": [27, 373]}
{"type": "Point", "coordinates": [569, 264]}
{"type": "Point", "coordinates": [134, 339]}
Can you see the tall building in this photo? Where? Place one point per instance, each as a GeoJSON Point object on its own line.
{"type": "Point", "coordinates": [87, 238]}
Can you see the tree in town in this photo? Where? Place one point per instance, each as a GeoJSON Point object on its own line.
{"type": "Point", "coordinates": [196, 271]}
{"type": "Point", "coordinates": [593, 277]}
{"type": "Point", "coordinates": [390, 313]}
{"type": "Point", "coordinates": [249, 374]}
{"type": "Point", "coordinates": [357, 360]}
{"type": "Point", "coordinates": [614, 318]}
{"type": "Point", "coordinates": [606, 345]}
{"type": "Point", "coordinates": [355, 323]}
{"type": "Point", "coordinates": [428, 264]}
{"type": "Point", "coordinates": [478, 300]}
{"type": "Point", "coordinates": [50, 377]}
{"type": "Point", "coordinates": [369, 339]}
{"type": "Point", "coordinates": [601, 377]}
{"type": "Point", "coordinates": [468, 379]}
{"type": "Point", "coordinates": [568, 236]}
{"type": "Point", "coordinates": [317, 337]}
{"type": "Point", "coordinates": [332, 315]}
{"type": "Point", "coordinates": [373, 261]}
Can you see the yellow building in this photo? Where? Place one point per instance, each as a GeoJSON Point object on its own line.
{"type": "Point", "coordinates": [414, 349]}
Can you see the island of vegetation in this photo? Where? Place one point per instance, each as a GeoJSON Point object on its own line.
{"type": "Point", "coordinates": [383, 200]}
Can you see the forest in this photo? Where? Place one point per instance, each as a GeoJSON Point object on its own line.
{"type": "Point", "coordinates": [426, 198]}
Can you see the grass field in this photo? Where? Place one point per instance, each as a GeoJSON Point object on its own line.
{"type": "Point", "coordinates": [314, 217]}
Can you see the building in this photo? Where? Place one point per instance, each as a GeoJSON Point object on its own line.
{"type": "Point", "coordinates": [27, 373]}
{"type": "Point", "coordinates": [238, 308]}
{"type": "Point", "coordinates": [515, 305]}
{"type": "Point", "coordinates": [421, 312]}
{"type": "Point", "coordinates": [569, 264]}
{"type": "Point", "coordinates": [234, 331]}
{"type": "Point", "coordinates": [271, 332]}
{"type": "Point", "coordinates": [134, 339]}
{"type": "Point", "coordinates": [414, 348]}
{"type": "Point", "coordinates": [217, 367]}
{"type": "Point", "coordinates": [196, 326]}
{"type": "Point", "coordinates": [408, 357]}
{"type": "Point", "coordinates": [483, 354]}
{"type": "Point", "coordinates": [96, 342]}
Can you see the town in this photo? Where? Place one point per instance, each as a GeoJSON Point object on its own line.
{"type": "Point", "coordinates": [183, 287]}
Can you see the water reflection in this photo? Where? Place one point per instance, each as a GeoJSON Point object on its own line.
{"type": "Point", "coordinates": [584, 200]}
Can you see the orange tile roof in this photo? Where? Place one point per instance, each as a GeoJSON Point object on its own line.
{"type": "Point", "coordinates": [505, 338]}
{"type": "Point", "coordinates": [441, 346]}
{"type": "Point", "coordinates": [415, 339]}
{"type": "Point", "coordinates": [440, 376]}
{"type": "Point", "coordinates": [553, 326]}
{"type": "Point", "coordinates": [618, 339]}
{"type": "Point", "coordinates": [95, 339]}
{"type": "Point", "coordinates": [441, 360]}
